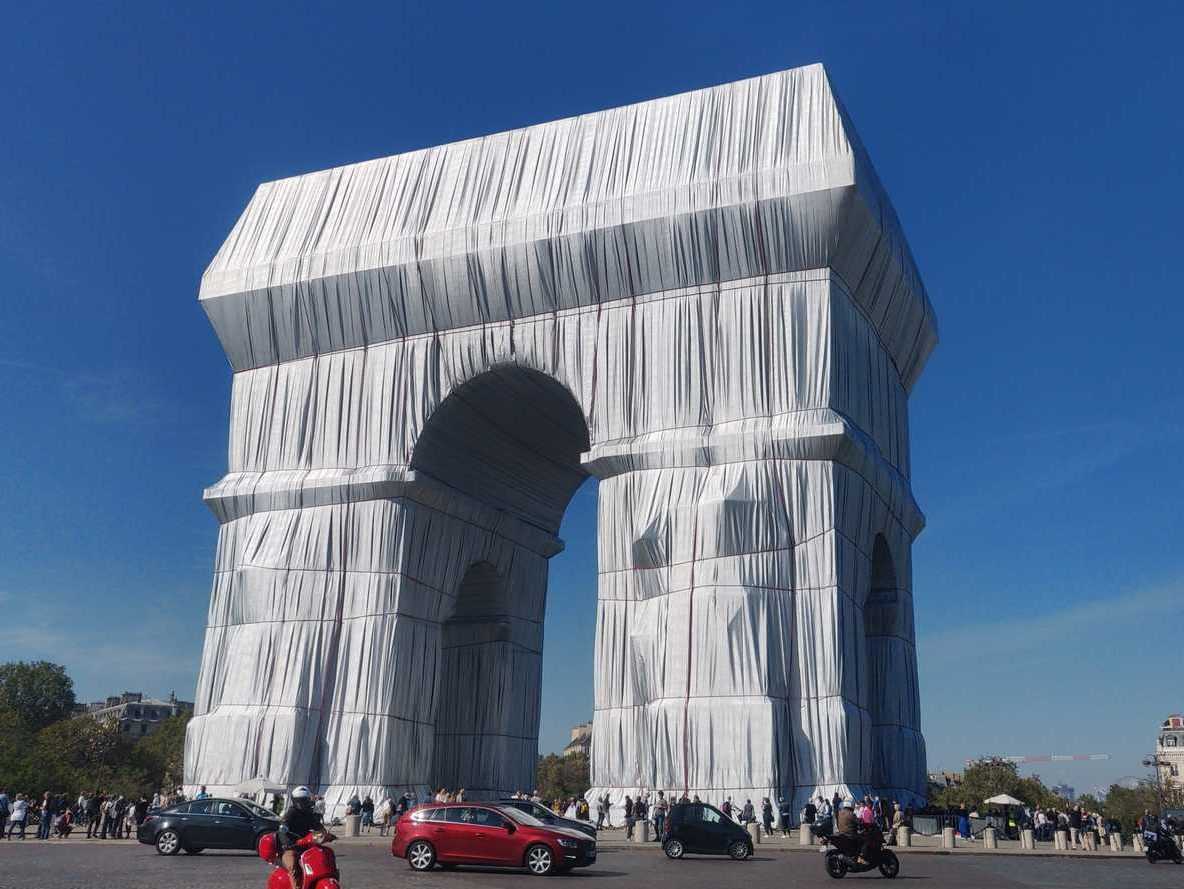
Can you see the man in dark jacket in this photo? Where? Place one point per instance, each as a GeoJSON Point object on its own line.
{"type": "Point", "coordinates": [785, 814]}
{"type": "Point", "coordinates": [846, 824]}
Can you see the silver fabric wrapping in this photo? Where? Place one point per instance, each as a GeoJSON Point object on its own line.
{"type": "Point", "coordinates": [704, 301]}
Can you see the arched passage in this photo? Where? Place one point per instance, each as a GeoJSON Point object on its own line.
{"type": "Point", "coordinates": [881, 617]}
{"type": "Point", "coordinates": [509, 440]}
{"type": "Point", "coordinates": [512, 438]}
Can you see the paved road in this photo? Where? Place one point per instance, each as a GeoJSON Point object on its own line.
{"type": "Point", "coordinates": [34, 865]}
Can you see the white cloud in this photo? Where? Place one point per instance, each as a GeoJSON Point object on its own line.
{"type": "Point", "coordinates": [1025, 632]}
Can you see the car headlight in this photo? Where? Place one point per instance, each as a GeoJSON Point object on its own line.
{"type": "Point", "coordinates": [569, 844]}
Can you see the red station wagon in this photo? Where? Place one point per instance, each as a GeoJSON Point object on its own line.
{"type": "Point", "coordinates": [449, 834]}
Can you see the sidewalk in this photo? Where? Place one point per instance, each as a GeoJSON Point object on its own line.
{"type": "Point", "coordinates": [614, 841]}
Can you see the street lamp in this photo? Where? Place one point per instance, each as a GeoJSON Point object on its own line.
{"type": "Point", "coordinates": [1152, 761]}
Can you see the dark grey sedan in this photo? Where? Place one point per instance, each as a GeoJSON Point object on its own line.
{"type": "Point", "coordinates": [207, 824]}
{"type": "Point", "coordinates": [549, 818]}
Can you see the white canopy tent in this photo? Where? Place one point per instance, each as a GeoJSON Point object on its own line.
{"type": "Point", "coordinates": [256, 786]}
{"type": "Point", "coordinates": [1004, 799]}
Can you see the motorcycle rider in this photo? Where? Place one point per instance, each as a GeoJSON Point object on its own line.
{"type": "Point", "coordinates": [299, 821]}
{"type": "Point", "coordinates": [847, 825]}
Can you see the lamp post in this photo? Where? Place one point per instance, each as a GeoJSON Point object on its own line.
{"type": "Point", "coordinates": [1152, 761]}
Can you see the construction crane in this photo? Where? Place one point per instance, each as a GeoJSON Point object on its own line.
{"type": "Point", "coordinates": [1022, 759]}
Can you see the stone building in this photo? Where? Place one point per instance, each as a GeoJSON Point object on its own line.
{"type": "Point", "coordinates": [1169, 749]}
{"type": "Point", "coordinates": [581, 739]}
{"type": "Point", "coordinates": [137, 715]}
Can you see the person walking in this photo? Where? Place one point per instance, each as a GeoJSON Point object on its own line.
{"type": "Point", "coordinates": [93, 805]}
{"type": "Point", "coordinates": [629, 820]}
{"type": "Point", "coordinates": [785, 813]}
{"type": "Point", "coordinates": [45, 810]}
{"type": "Point", "coordinates": [660, 809]}
{"type": "Point", "coordinates": [767, 816]}
{"type": "Point", "coordinates": [19, 815]}
{"type": "Point", "coordinates": [384, 813]}
{"type": "Point", "coordinates": [1075, 827]}
{"type": "Point", "coordinates": [748, 814]}
{"type": "Point", "coordinates": [367, 813]}
{"type": "Point", "coordinates": [5, 807]}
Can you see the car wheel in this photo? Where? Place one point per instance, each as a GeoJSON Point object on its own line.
{"type": "Point", "coordinates": [539, 860]}
{"type": "Point", "coordinates": [738, 850]}
{"type": "Point", "coordinates": [673, 849]}
{"type": "Point", "coordinates": [421, 855]}
{"type": "Point", "coordinates": [168, 842]}
{"type": "Point", "coordinates": [835, 865]}
{"type": "Point", "coordinates": [194, 850]}
{"type": "Point", "coordinates": [889, 865]}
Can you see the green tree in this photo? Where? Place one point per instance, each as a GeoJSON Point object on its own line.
{"type": "Point", "coordinates": [1127, 804]}
{"type": "Point", "coordinates": [78, 754]}
{"type": "Point", "coordinates": [162, 753]}
{"type": "Point", "coordinates": [985, 779]}
{"type": "Point", "coordinates": [561, 777]}
{"type": "Point", "coordinates": [39, 693]}
{"type": "Point", "coordinates": [16, 769]}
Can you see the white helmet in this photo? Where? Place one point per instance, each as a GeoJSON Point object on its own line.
{"type": "Point", "coordinates": [301, 792]}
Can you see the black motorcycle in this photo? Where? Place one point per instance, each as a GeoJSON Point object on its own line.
{"type": "Point", "coordinates": [842, 854]}
{"type": "Point", "coordinates": [1160, 846]}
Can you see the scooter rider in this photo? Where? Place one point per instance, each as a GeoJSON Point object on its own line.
{"type": "Point", "coordinates": [298, 822]}
{"type": "Point", "coordinates": [846, 824]}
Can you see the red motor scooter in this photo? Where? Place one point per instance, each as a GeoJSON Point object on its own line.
{"type": "Point", "coordinates": [318, 864]}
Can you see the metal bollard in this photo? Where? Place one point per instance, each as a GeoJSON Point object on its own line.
{"type": "Point", "coordinates": [805, 837]}
{"type": "Point", "coordinates": [947, 838]}
{"type": "Point", "coordinates": [989, 840]}
{"type": "Point", "coordinates": [1116, 842]}
{"type": "Point", "coordinates": [1027, 839]}
{"type": "Point", "coordinates": [352, 823]}
{"type": "Point", "coordinates": [1061, 839]}
{"type": "Point", "coordinates": [904, 836]}
{"type": "Point", "coordinates": [754, 831]}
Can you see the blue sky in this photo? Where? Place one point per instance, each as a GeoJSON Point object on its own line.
{"type": "Point", "coordinates": [1032, 151]}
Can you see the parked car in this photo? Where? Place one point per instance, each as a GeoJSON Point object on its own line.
{"type": "Point", "coordinates": [705, 830]}
{"type": "Point", "coordinates": [207, 824]}
{"type": "Point", "coordinates": [489, 834]}
{"type": "Point", "coordinates": [545, 815]}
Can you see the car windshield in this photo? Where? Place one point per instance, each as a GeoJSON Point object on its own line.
{"type": "Point", "coordinates": [520, 816]}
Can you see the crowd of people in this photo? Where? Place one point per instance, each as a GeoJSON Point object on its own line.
{"type": "Point", "coordinates": [102, 815]}
{"type": "Point", "coordinates": [113, 816]}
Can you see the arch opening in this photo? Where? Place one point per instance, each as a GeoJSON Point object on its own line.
{"type": "Point", "coordinates": [881, 618]}
{"type": "Point", "coordinates": [510, 439]}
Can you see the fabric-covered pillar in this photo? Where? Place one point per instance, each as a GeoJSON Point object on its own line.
{"type": "Point", "coordinates": [694, 633]}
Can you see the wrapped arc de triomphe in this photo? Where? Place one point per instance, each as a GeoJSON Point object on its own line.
{"type": "Point", "coordinates": [704, 301]}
